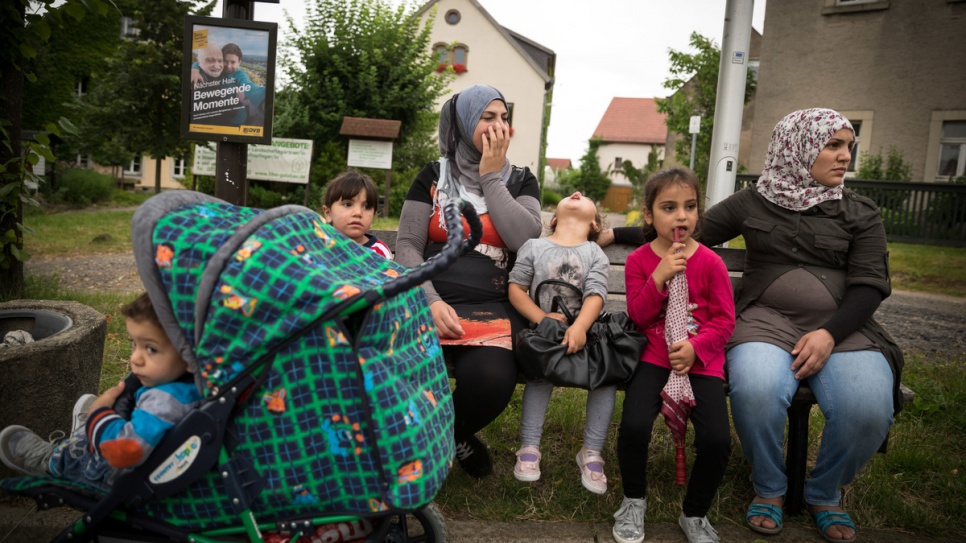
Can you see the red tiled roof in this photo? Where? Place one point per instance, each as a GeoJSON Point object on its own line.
{"type": "Point", "coordinates": [632, 120]}
{"type": "Point", "coordinates": [557, 164]}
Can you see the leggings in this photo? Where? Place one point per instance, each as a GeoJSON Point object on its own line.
{"type": "Point", "coordinates": [712, 442]}
{"type": "Point", "coordinates": [485, 379]}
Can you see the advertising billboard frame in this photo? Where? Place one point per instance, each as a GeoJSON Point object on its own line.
{"type": "Point", "coordinates": [226, 129]}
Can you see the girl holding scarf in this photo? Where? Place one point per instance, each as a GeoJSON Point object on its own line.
{"type": "Point", "coordinates": [474, 319]}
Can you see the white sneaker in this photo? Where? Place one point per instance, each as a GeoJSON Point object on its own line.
{"type": "Point", "coordinates": [698, 529]}
{"type": "Point", "coordinates": [629, 521]}
{"type": "Point", "coordinates": [81, 408]}
{"type": "Point", "coordinates": [24, 451]}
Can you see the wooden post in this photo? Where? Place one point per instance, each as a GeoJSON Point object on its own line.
{"type": "Point", "coordinates": [231, 162]}
{"type": "Point", "coordinates": [385, 208]}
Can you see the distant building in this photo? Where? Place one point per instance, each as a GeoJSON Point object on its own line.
{"type": "Point", "coordinates": [555, 166]}
{"type": "Point", "coordinates": [896, 69]}
{"type": "Point", "coordinates": [466, 37]}
{"type": "Point", "coordinates": [629, 130]}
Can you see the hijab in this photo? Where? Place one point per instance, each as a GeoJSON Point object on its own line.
{"type": "Point", "coordinates": [460, 161]}
{"type": "Point", "coordinates": [786, 180]}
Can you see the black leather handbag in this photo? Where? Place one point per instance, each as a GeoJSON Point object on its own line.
{"type": "Point", "coordinates": [613, 349]}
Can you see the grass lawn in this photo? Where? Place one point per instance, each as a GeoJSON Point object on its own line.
{"type": "Point", "coordinates": [919, 486]}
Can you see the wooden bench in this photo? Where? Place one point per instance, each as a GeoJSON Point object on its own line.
{"type": "Point", "coordinates": [796, 453]}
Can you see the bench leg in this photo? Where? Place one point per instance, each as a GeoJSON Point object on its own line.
{"type": "Point", "coordinates": [796, 455]}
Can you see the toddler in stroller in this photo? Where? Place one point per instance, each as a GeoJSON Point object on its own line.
{"type": "Point", "coordinates": [325, 396]}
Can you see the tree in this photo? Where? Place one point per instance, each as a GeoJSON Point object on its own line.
{"type": "Point", "coordinates": [694, 81]}
{"type": "Point", "coordinates": [138, 100]}
{"type": "Point", "coordinates": [588, 179]}
{"type": "Point", "coordinates": [23, 35]}
{"type": "Point", "coordinates": [360, 58]}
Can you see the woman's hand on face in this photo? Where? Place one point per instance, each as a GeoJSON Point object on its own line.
{"type": "Point", "coordinates": [446, 320]}
{"type": "Point", "coordinates": [496, 141]}
{"type": "Point", "coordinates": [812, 352]}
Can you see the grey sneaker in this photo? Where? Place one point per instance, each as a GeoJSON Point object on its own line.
{"type": "Point", "coordinates": [698, 529]}
{"type": "Point", "coordinates": [81, 408]}
{"type": "Point", "coordinates": [24, 451]}
{"type": "Point", "coordinates": [629, 521]}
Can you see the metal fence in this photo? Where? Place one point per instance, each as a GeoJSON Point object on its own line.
{"type": "Point", "coordinates": [926, 213]}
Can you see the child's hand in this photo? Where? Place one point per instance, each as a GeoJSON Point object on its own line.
{"type": "Point", "coordinates": [109, 397]}
{"type": "Point", "coordinates": [496, 141]}
{"type": "Point", "coordinates": [557, 317]}
{"type": "Point", "coordinates": [574, 338]}
{"type": "Point", "coordinates": [682, 357]}
{"type": "Point", "coordinates": [672, 263]}
{"type": "Point", "coordinates": [196, 78]}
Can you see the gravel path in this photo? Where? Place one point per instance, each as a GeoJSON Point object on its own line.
{"type": "Point", "coordinates": [920, 323]}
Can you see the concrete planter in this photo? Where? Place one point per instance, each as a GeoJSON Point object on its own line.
{"type": "Point", "coordinates": [40, 381]}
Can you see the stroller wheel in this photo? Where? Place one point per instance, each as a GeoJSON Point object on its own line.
{"type": "Point", "coordinates": [424, 525]}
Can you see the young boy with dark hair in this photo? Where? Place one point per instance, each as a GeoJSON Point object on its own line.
{"type": "Point", "coordinates": [108, 444]}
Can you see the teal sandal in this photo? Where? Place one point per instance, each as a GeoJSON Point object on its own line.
{"type": "Point", "coordinates": [826, 519]}
{"type": "Point", "coordinates": [766, 510]}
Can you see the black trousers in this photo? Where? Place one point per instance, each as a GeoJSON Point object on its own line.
{"type": "Point", "coordinates": [485, 379]}
{"type": "Point", "coordinates": [712, 443]}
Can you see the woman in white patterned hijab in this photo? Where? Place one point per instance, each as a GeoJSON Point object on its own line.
{"type": "Point", "coordinates": [796, 143]}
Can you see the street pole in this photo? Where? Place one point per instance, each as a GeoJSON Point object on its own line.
{"type": "Point", "coordinates": [231, 162]}
{"type": "Point", "coordinates": [694, 127]}
{"type": "Point", "coordinates": [732, 76]}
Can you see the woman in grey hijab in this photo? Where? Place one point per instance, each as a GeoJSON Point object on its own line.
{"type": "Point", "coordinates": [474, 319]}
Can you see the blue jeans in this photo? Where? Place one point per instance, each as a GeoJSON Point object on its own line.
{"type": "Point", "coordinates": [854, 392]}
{"type": "Point", "coordinates": [73, 460]}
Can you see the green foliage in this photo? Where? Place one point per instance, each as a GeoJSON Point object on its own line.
{"type": "Point", "coordinates": [892, 168]}
{"type": "Point", "coordinates": [549, 198]}
{"type": "Point", "coordinates": [83, 187]}
{"type": "Point", "coordinates": [262, 197]}
{"type": "Point", "coordinates": [694, 81]}
{"type": "Point", "coordinates": [359, 58]}
{"type": "Point", "coordinates": [142, 79]}
{"type": "Point", "coordinates": [588, 179]}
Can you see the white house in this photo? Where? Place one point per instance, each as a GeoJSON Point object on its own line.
{"type": "Point", "coordinates": [465, 35]}
{"type": "Point", "coordinates": [629, 130]}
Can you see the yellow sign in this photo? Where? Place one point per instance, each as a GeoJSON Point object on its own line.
{"type": "Point", "coordinates": [199, 39]}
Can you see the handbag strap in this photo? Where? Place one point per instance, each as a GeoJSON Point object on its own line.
{"type": "Point", "coordinates": [556, 303]}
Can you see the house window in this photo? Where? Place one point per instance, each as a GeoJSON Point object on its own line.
{"type": "Point", "coordinates": [453, 17]}
{"type": "Point", "coordinates": [128, 30]}
{"type": "Point", "coordinates": [81, 86]}
{"type": "Point", "coordinates": [134, 168]}
{"type": "Point", "coordinates": [952, 150]}
{"type": "Point", "coordinates": [833, 7]}
{"type": "Point", "coordinates": [618, 163]}
{"type": "Point", "coordinates": [442, 52]}
{"type": "Point", "coordinates": [178, 168]}
{"type": "Point", "coordinates": [451, 56]}
{"type": "Point", "coordinates": [857, 126]}
{"type": "Point", "coordinates": [83, 161]}
{"type": "Point", "coordinates": [459, 54]}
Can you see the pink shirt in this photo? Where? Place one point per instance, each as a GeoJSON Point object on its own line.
{"type": "Point", "coordinates": [711, 308]}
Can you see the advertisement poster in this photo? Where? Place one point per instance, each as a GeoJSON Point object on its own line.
{"type": "Point", "coordinates": [228, 80]}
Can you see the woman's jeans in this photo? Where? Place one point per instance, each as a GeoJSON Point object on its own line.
{"type": "Point", "coordinates": [854, 392]}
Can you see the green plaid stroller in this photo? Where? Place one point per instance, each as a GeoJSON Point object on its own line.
{"type": "Point", "coordinates": [326, 397]}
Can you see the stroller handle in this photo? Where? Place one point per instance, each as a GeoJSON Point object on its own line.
{"type": "Point", "coordinates": [455, 247]}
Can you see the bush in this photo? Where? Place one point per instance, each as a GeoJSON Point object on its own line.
{"type": "Point", "coordinates": [549, 198]}
{"type": "Point", "coordinates": [263, 198]}
{"type": "Point", "coordinates": [83, 187]}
